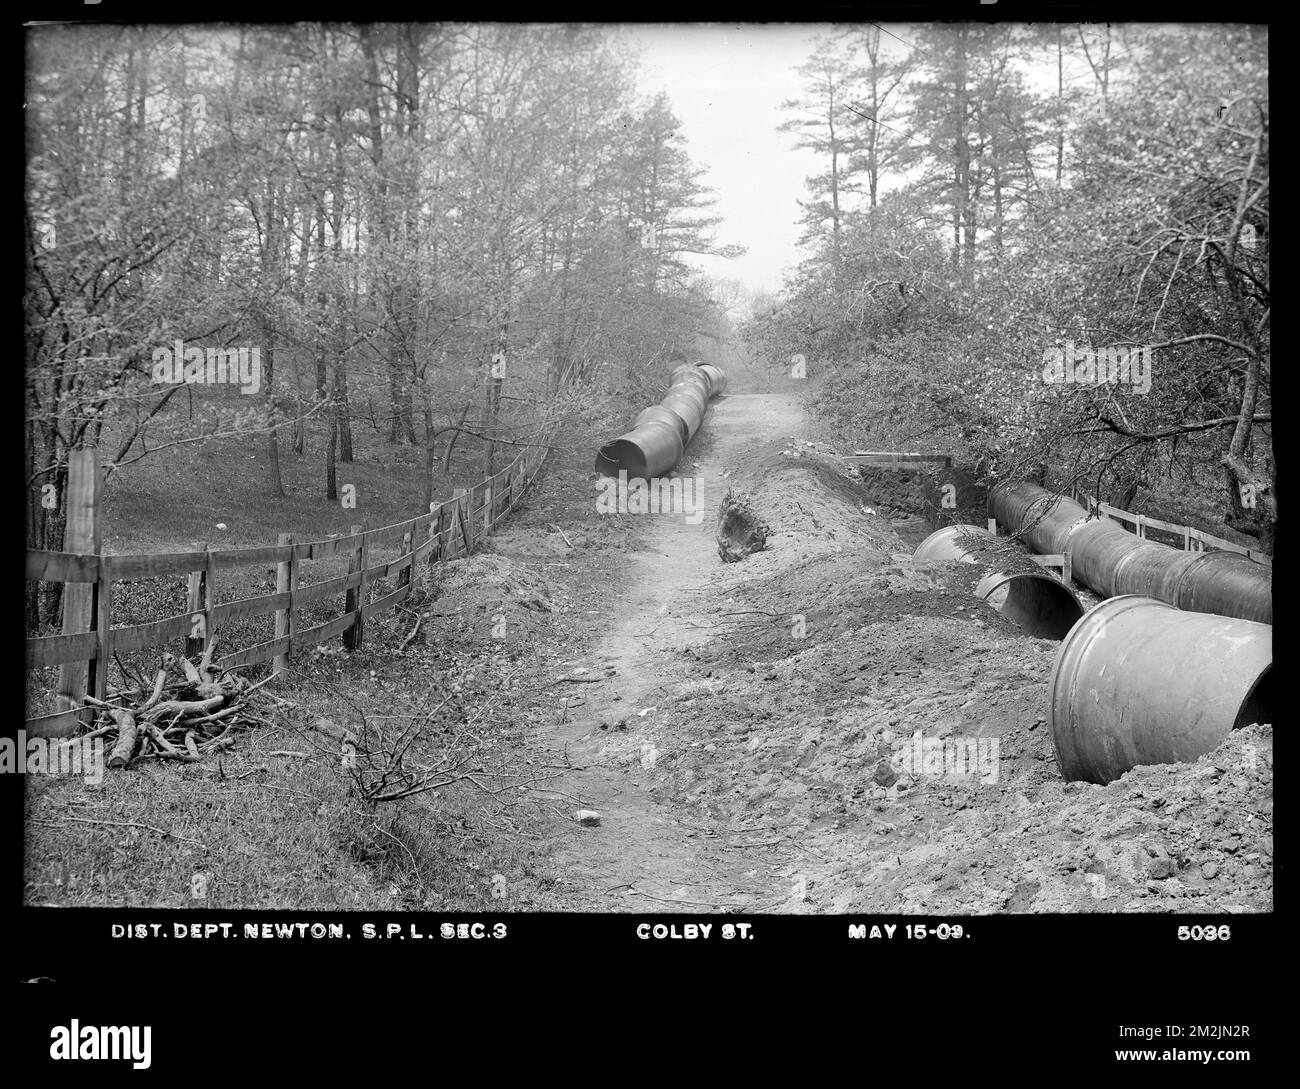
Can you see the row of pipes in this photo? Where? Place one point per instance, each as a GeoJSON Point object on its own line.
{"type": "Point", "coordinates": [1112, 561]}
{"type": "Point", "coordinates": [1179, 655]}
{"type": "Point", "coordinates": [661, 433]}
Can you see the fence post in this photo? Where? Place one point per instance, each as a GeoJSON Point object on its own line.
{"type": "Point", "coordinates": [81, 534]}
{"type": "Point", "coordinates": [354, 636]}
{"type": "Point", "coordinates": [286, 576]}
{"type": "Point", "coordinates": [103, 628]}
{"type": "Point", "coordinates": [209, 598]}
{"type": "Point", "coordinates": [460, 518]}
{"type": "Point", "coordinates": [993, 526]}
{"type": "Point", "coordinates": [487, 507]}
{"type": "Point", "coordinates": [435, 531]}
{"type": "Point", "coordinates": [1067, 567]}
{"type": "Point", "coordinates": [1141, 527]}
{"type": "Point", "coordinates": [404, 575]}
{"type": "Point", "coordinates": [195, 593]}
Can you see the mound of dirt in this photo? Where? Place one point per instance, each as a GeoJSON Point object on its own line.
{"type": "Point", "coordinates": [868, 715]}
{"type": "Point", "coordinates": [491, 590]}
{"type": "Point", "coordinates": [811, 503]}
{"type": "Point", "coordinates": [832, 727]}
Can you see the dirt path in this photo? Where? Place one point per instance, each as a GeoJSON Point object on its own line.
{"type": "Point", "coordinates": [643, 853]}
{"type": "Point", "coordinates": [755, 735]}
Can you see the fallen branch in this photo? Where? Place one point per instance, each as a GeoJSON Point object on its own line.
{"type": "Point", "coordinates": [126, 735]}
{"type": "Point", "coordinates": [410, 638]}
{"type": "Point", "coordinates": [127, 824]}
{"type": "Point", "coordinates": [204, 708]}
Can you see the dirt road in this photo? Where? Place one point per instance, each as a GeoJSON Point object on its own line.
{"type": "Point", "coordinates": [646, 851]}
{"type": "Point", "coordinates": [757, 736]}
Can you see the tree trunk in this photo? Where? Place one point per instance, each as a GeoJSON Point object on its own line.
{"type": "Point", "coordinates": [331, 467]}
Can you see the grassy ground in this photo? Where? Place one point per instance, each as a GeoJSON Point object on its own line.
{"type": "Point", "coordinates": [177, 498]}
{"type": "Point", "coordinates": [174, 501]}
{"type": "Point", "coordinates": [255, 828]}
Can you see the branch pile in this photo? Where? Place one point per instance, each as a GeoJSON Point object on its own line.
{"type": "Point", "coordinates": [187, 713]}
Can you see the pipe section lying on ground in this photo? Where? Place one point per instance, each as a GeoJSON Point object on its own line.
{"type": "Point", "coordinates": [1109, 559]}
{"type": "Point", "coordinates": [1050, 517]}
{"type": "Point", "coordinates": [1138, 681]}
{"type": "Point", "coordinates": [716, 376]}
{"type": "Point", "coordinates": [662, 432]}
{"type": "Point", "coordinates": [1036, 602]}
{"type": "Point", "coordinates": [666, 416]}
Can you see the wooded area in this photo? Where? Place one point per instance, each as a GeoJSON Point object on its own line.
{"type": "Point", "coordinates": [993, 193]}
{"type": "Point", "coordinates": [436, 228]}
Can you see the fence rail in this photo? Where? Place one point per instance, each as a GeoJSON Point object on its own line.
{"type": "Point", "coordinates": [450, 529]}
{"type": "Point", "coordinates": [1194, 540]}
{"type": "Point", "coordinates": [888, 459]}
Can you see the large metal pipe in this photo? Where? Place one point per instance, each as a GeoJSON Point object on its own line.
{"type": "Point", "coordinates": [1049, 517]}
{"type": "Point", "coordinates": [1110, 560]}
{"type": "Point", "coordinates": [1096, 550]}
{"type": "Point", "coordinates": [1138, 681]}
{"type": "Point", "coordinates": [1036, 602]}
{"type": "Point", "coordinates": [717, 378]}
{"type": "Point", "coordinates": [1227, 584]}
{"type": "Point", "coordinates": [663, 415]}
{"type": "Point", "coordinates": [691, 375]}
{"type": "Point", "coordinates": [661, 432]}
{"type": "Point", "coordinates": [651, 449]}
{"type": "Point", "coordinates": [690, 403]}
{"type": "Point", "coordinates": [947, 544]}
{"type": "Point", "coordinates": [1150, 572]}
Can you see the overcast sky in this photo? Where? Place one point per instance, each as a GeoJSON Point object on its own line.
{"type": "Point", "coordinates": [726, 83]}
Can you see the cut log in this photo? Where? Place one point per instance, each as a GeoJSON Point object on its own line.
{"type": "Point", "coordinates": [205, 664]}
{"type": "Point", "coordinates": [184, 707]}
{"type": "Point", "coordinates": [156, 695]}
{"type": "Point", "coordinates": [126, 735]}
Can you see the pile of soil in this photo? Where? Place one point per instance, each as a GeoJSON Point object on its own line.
{"type": "Point", "coordinates": [832, 657]}
{"type": "Point", "coordinates": [757, 734]}
{"type": "Point", "coordinates": [484, 580]}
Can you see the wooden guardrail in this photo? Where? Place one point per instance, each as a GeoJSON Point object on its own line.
{"type": "Point", "coordinates": [450, 529]}
{"type": "Point", "coordinates": [888, 459]}
{"type": "Point", "coordinates": [1194, 540]}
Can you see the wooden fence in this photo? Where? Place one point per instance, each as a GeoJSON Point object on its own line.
{"type": "Point", "coordinates": [89, 640]}
{"type": "Point", "coordinates": [888, 459]}
{"type": "Point", "coordinates": [1194, 540]}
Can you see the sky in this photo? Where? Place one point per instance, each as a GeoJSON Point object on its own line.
{"type": "Point", "coordinates": [726, 83]}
